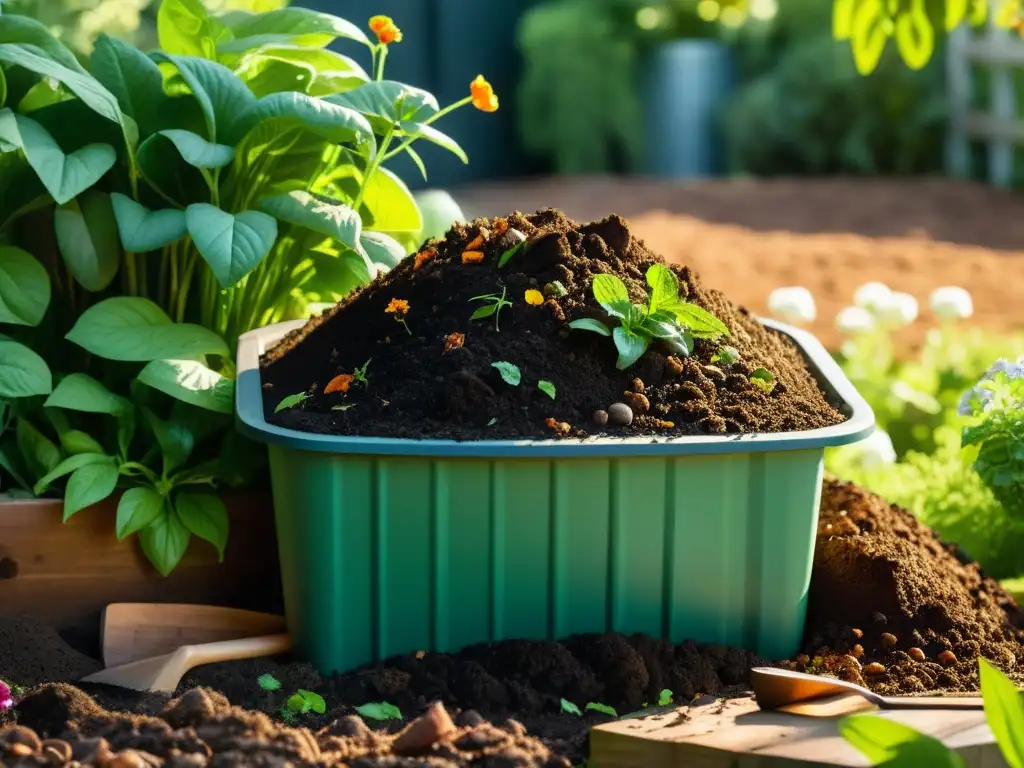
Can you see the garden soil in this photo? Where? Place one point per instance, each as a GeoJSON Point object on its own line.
{"type": "Point", "coordinates": [918, 609]}
{"type": "Point", "coordinates": [432, 375]}
{"type": "Point", "coordinates": [748, 236]}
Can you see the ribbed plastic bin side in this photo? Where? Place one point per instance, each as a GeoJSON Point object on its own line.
{"type": "Point", "coordinates": [393, 546]}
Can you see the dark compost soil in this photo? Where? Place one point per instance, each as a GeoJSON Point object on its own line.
{"type": "Point", "coordinates": [877, 570]}
{"type": "Point", "coordinates": [421, 386]}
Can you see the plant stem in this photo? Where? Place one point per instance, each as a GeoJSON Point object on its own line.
{"type": "Point", "coordinates": [381, 55]}
{"type": "Point", "coordinates": [436, 116]}
{"type": "Point", "coordinates": [373, 166]}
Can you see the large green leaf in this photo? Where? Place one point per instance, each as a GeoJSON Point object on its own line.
{"type": "Point", "coordinates": [888, 742]}
{"type": "Point", "coordinates": [44, 93]}
{"type": "Point", "coordinates": [143, 230]}
{"type": "Point", "coordinates": [67, 466]}
{"type": "Point", "coordinates": [434, 136]}
{"type": "Point", "coordinates": [64, 176]}
{"type": "Point", "coordinates": [384, 251]}
{"type": "Point", "coordinates": [389, 207]}
{"type": "Point", "coordinates": [1004, 711]}
{"type": "Point", "coordinates": [165, 170]}
{"type": "Point", "coordinates": [24, 29]}
{"type": "Point", "coordinates": [134, 329]}
{"type": "Point", "coordinates": [165, 540]}
{"type": "Point", "coordinates": [266, 68]}
{"type": "Point", "coordinates": [337, 124]}
{"type": "Point", "coordinates": [232, 244]}
{"type": "Point", "coordinates": [186, 29]}
{"type": "Point", "coordinates": [197, 151]}
{"type": "Point", "coordinates": [336, 275]}
{"type": "Point", "coordinates": [24, 287]}
{"type": "Point", "coordinates": [221, 96]}
{"type": "Point", "coordinates": [81, 392]}
{"type": "Point", "coordinates": [296, 26]}
{"type": "Point", "coordinates": [3, 88]}
{"type": "Point", "coordinates": [40, 453]}
{"type": "Point", "coordinates": [23, 373]}
{"type": "Point", "coordinates": [21, 191]}
{"type": "Point", "coordinates": [337, 221]}
{"type": "Point", "coordinates": [137, 508]}
{"type": "Point", "coordinates": [387, 103]}
{"type": "Point", "coordinates": [206, 516]}
{"type": "Point", "coordinates": [89, 485]}
{"type": "Point", "coordinates": [133, 79]}
{"type": "Point", "coordinates": [175, 440]}
{"type": "Point", "coordinates": [84, 86]}
{"type": "Point", "coordinates": [87, 237]}
{"type": "Point", "coordinates": [191, 382]}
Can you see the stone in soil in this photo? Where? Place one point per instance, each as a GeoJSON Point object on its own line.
{"type": "Point", "coordinates": [891, 606]}
{"type": "Point", "coordinates": [421, 386]}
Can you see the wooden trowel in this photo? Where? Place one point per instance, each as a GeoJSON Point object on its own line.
{"type": "Point", "coordinates": [134, 631]}
{"type": "Point", "coordinates": [815, 696]}
{"type": "Point", "coordinates": [164, 673]}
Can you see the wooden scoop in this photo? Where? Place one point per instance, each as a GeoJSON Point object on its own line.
{"type": "Point", "coordinates": [164, 673]}
{"type": "Point", "coordinates": [134, 631]}
{"type": "Point", "coordinates": [802, 694]}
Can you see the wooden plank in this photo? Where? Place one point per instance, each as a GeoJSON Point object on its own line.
{"type": "Point", "coordinates": [734, 733]}
{"type": "Point", "coordinates": [65, 574]}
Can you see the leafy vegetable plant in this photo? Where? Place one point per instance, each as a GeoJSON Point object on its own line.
{"type": "Point", "coordinates": [155, 206]}
{"type": "Point", "coordinates": [493, 304]}
{"type": "Point", "coordinates": [569, 708]}
{"type": "Point", "coordinates": [509, 373]}
{"type": "Point", "coordinates": [380, 711]}
{"type": "Point", "coordinates": [268, 682]}
{"type": "Point", "coordinates": [665, 317]}
{"type": "Point", "coordinates": [302, 702]}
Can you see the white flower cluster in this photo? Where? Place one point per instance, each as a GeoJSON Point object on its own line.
{"type": "Point", "coordinates": [793, 304]}
{"type": "Point", "coordinates": [978, 399]}
{"type": "Point", "coordinates": [875, 305]}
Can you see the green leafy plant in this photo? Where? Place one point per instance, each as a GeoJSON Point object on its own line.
{"type": "Point", "coordinates": [569, 708]}
{"type": "Point", "coordinates": [268, 682]}
{"type": "Point", "coordinates": [665, 317]}
{"type": "Point", "coordinates": [603, 708]}
{"type": "Point", "coordinates": [380, 711]}
{"type": "Point", "coordinates": [493, 304]}
{"type": "Point", "coordinates": [169, 202]}
{"type": "Point", "coordinates": [726, 356]}
{"type": "Point", "coordinates": [886, 742]}
{"type": "Point", "coordinates": [763, 379]}
{"type": "Point", "coordinates": [665, 698]}
{"type": "Point", "coordinates": [511, 253]}
{"type": "Point", "coordinates": [291, 401]}
{"type": "Point", "coordinates": [509, 373]}
{"type": "Point", "coordinates": [547, 388]}
{"type": "Point", "coordinates": [302, 702]}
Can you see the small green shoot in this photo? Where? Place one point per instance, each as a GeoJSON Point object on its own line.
{"type": "Point", "coordinates": [494, 305]}
{"type": "Point", "coordinates": [509, 373]}
{"type": "Point", "coordinates": [665, 698]}
{"type": "Point", "coordinates": [302, 702]}
{"type": "Point", "coordinates": [343, 407]}
{"type": "Point", "coordinates": [569, 708]}
{"type": "Point", "coordinates": [380, 710]}
{"type": "Point", "coordinates": [763, 379]}
{"type": "Point", "coordinates": [359, 374]}
{"type": "Point", "coordinates": [602, 708]}
{"type": "Point", "coordinates": [555, 289]}
{"type": "Point", "coordinates": [511, 253]}
{"type": "Point", "coordinates": [726, 356]}
{"type": "Point", "coordinates": [269, 683]}
{"type": "Point", "coordinates": [492, 422]}
{"type": "Point", "coordinates": [291, 401]}
{"type": "Point", "coordinates": [547, 388]}
{"type": "Point", "coordinates": [665, 316]}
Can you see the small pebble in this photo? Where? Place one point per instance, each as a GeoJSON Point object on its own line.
{"type": "Point", "coordinates": [637, 385]}
{"type": "Point", "coordinates": [888, 639]}
{"type": "Point", "coordinates": [621, 414]}
{"type": "Point", "coordinates": [916, 654]}
{"type": "Point", "coordinates": [874, 668]}
{"type": "Point", "coordinates": [857, 651]}
{"type": "Point", "coordinates": [857, 633]}
{"type": "Point", "coordinates": [600, 417]}
{"type": "Point", "coordinates": [878, 618]}
{"type": "Point", "coordinates": [947, 658]}
{"type": "Point", "coordinates": [639, 403]}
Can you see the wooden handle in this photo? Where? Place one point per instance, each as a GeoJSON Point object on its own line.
{"type": "Point", "coordinates": [934, 702]}
{"type": "Point", "coordinates": [232, 650]}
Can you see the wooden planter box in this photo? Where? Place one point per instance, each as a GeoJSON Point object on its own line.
{"type": "Point", "coordinates": [64, 574]}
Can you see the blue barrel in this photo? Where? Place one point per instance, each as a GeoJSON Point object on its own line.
{"type": "Point", "coordinates": [686, 85]}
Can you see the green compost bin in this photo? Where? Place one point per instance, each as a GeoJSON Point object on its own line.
{"type": "Point", "coordinates": [390, 546]}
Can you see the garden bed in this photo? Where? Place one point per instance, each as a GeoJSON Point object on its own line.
{"type": "Point", "coordinates": [917, 608]}
{"type": "Point", "coordinates": [747, 237]}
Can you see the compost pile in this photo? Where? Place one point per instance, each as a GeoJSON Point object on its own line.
{"type": "Point", "coordinates": [918, 609]}
{"type": "Point", "coordinates": [404, 357]}
{"type": "Point", "coordinates": [895, 608]}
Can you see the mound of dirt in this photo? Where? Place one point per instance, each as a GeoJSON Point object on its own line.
{"type": "Point", "coordinates": [433, 375]}
{"type": "Point", "coordinates": [895, 608]}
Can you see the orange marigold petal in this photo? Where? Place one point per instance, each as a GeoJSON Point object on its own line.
{"type": "Point", "coordinates": [534, 297]}
{"type": "Point", "coordinates": [339, 383]}
{"type": "Point", "coordinates": [397, 306]}
{"type": "Point", "coordinates": [472, 257]}
{"type": "Point", "coordinates": [475, 243]}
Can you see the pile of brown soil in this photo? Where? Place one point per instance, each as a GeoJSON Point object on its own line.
{"type": "Point", "coordinates": [895, 608]}
{"type": "Point", "coordinates": [877, 571]}
{"type": "Point", "coordinates": [437, 380]}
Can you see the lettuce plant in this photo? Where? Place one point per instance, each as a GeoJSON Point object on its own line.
{"type": "Point", "coordinates": [171, 201]}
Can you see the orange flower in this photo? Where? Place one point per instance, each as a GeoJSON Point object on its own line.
{"type": "Point", "coordinates": [423, 257]}
{"type": "Point", "coordinates": [398, 307]}
{"type": "Point", "coordinates": [534, 297]}
{"type": "Point", "coordinates": [453, 341]}
{"type": "Point", "coordinates": [385, 30]}
{"type": "Point", "coordinates": [339, 383]}
{"type": "Point", "coordinates": [558, 427]}
{"type": "Point", "coordinates": [472, 257]}
{"type": "Point", "coordinates": [484, 97]}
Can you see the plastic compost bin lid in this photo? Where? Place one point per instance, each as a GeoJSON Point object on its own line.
{"type": "Point", "coordinates": [250, 420]}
